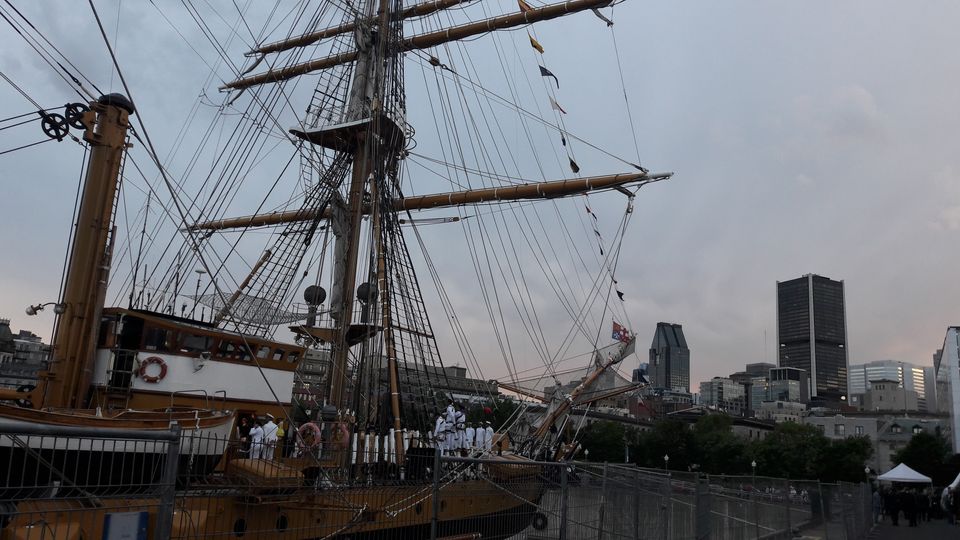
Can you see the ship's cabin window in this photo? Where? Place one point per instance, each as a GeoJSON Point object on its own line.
{"type": "Point", "coordinates": [263, 352]}
{"type": "Point", "coordinates": [234, 350]}
{"type": "Point", "coordinates": [158, 339]}
{"type": "Point", "coordinates": [278, 354]}
{"type": "Point", "coordinates": [293, 356]}
{"type": "Point", "coordinates": [194, 343]}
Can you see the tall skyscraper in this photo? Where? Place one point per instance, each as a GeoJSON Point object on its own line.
{"type": "Point", "coordinates": [812, 333]}
{"type": "Point", "coordinates": [669, 366]}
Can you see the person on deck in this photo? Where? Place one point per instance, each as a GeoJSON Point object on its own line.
{"type": "Point", "coordinates": [470, 443]}
{"type": "Point", "coordinates": [481, 437]}
{"type": "Point", "coordinates": [449, 429]}
{"type": "Point", "coordinates": [269, 437]}
{"type": "Point", "coordinates": [488, 437]}
{"type": "Point", "coordinates": [243, 434]}
{"type": "Point", "coordinates": [256, 440]}
{"type": "Point", "coordinates": [439, 435]}
{"type": "Point", "coordinates": [461, 426]}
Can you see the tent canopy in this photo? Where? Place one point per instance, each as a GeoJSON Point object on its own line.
{"type": "Point", "coordinates": [902, 473]}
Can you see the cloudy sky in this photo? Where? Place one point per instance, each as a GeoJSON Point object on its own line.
{"type": "Point", "coordinates": [806, 137]}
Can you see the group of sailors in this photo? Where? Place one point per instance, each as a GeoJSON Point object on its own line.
{"type": "Point", "coordinates": [452, 433]}
{"type": "Point", "coordinates": [258, 438]}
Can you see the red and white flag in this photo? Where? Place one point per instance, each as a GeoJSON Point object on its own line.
{"type": "Point", "coordinates": [620, 333]}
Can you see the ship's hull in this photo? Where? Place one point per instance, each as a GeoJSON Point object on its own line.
{"type": "Point", "coordinates": [496, 525]}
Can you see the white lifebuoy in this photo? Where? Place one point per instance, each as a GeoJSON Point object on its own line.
{"type": "Point", "coordinates": [153, 360]}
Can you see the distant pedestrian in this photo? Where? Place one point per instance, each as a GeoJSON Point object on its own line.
{"type": "Point", "coordinates": [892, 506]}
{"type": "Point", "coordinates": [946, 504]}
{"type": "Point", "coordinates": [908, 503]}
{"type": "Point", "coordinates": [876, 505]}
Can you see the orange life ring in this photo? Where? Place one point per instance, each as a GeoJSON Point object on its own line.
{"type": "Point", "coordinates": [309, 435]}
{"type": "Point", "coordinates": [149, 362]}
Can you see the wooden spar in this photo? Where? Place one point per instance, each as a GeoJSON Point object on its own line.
{"type": "Point", "coordinates": [567, 403]}
{"type": "Point", "coordinates": [534, 190]}
{"type": "Point", "coordinates": [418, 10]}
{"type": "Point", "coordinates": [424, 41]}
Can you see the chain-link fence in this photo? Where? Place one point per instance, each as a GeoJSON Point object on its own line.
{"type": "Point", "coordinates": [81, 483]}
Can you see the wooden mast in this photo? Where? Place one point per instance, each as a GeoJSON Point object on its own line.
{"type": "Point", "coordinates": [69, 373]}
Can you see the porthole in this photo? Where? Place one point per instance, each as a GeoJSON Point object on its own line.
{"type": "Point", "coordinates": [282, 522]}
{"type": "Point", "coordinates": [418, 508]}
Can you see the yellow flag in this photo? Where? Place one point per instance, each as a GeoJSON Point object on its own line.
{"type": "Point", "coordinates": [535, 44]}
{"type": "Point", "coordinates": [524, 7]}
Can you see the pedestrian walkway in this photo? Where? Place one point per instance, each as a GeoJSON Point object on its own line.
{"type": "Point", "coordinates": [935, 529]}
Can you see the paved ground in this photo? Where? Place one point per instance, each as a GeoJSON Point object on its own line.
{"type": "Point", "coordinates": [931, 530]}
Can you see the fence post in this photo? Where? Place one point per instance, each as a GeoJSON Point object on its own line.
{"type": "Point", "coordinates": [823, 513]}
{"type": "Point", "coordinates": [168, 483]}
{"type": "Point", "coordinates": [434, 521]}
{"type": "Point", "coordinates": [563, 501]}
{"type": "Point", "coordinates": [636, 503]}
{"type": "Point", "coordinates": [789, 505]}
{"type": "Point", "coordinates": [701, 509]}
{"type": "Point", "coordinates": [603, 502]}
{"type": "Point", "coordinates": [666, 510]}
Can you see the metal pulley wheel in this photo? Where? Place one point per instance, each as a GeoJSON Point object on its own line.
{"type": "Point", "coordinates": [74, 115]}
{"type": "Point", "coordinates": [25, 402]}
{"type": "Point", "coordinates": [54, 125]}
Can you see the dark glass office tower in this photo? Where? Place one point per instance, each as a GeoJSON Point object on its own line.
{"type": "Point", "coordinates": [669, 366]}
{"type": "Point", "coordinates": [812, 333]}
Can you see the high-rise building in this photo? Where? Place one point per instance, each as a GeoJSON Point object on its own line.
{"type": "Point", "coordinates": [947, 366]}
{"type": "Point", "coordinates": [789, 384]}
{"type": "Point", "coordinates": [909, 377]}
{"type": "Point", "coordinates": [669, 366]}
{"type": "Point", "coordinates": [812, 333]}
{"type": "Point", "coordinates": [724, 394]}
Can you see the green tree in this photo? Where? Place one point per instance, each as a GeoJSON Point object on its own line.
{"type": "Point", "coordinates": [667, 437]}
{"type": "Point", "coordinates": [606, 441]}
{"type": "Point", "coordinates": [926, 453]}
{"type": "Point", "coordinates": [792, 450]}
{"type": "Point", "coordinates": [843, 459]}
{"type": "Point", "coordinates": [716, 449]}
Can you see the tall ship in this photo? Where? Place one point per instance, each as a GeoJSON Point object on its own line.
{"type": "Point", "coordinates": [201, 321]}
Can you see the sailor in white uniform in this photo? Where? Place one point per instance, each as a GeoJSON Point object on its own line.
{"type": "Point", "coordinates": [481, 437]}
{"type": "Point", "coordinates": [439, 435]}
{"type": "Point", "coordinates": [450, 433]}
{"type": "Point", "coordinates": [256, 440]}
{"type": "Point", "coordinates": [488, 437]}
{"type": "Point", "coordinates": [469, 444]}
{"type": "Point", "coordinates": [460, 420]}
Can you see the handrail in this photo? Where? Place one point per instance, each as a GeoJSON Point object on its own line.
{"type": "Point", "coordinates": [206, 397]}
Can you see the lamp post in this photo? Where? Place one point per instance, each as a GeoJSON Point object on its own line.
{"type": "Point", "coordinates": [196, 294]}
{"type": "Point", "coordinates": [666, 462]}
{"type": "Point", "coordinates": [753, 494]}
{"type": "Point", "coordinates": [58, 308]}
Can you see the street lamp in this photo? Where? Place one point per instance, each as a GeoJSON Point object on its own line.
{"type": "Point", "coordinates": [866, 471]}
{"type": "Point", "coordinates": [196, 294]}
{"type": "Point", "coordinates": [58, 308]}
{"type": "Point", "coordinates": [666, 462]}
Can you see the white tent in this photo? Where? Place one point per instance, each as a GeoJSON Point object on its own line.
{"type": "Point", "coordinates": [902, 473]}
